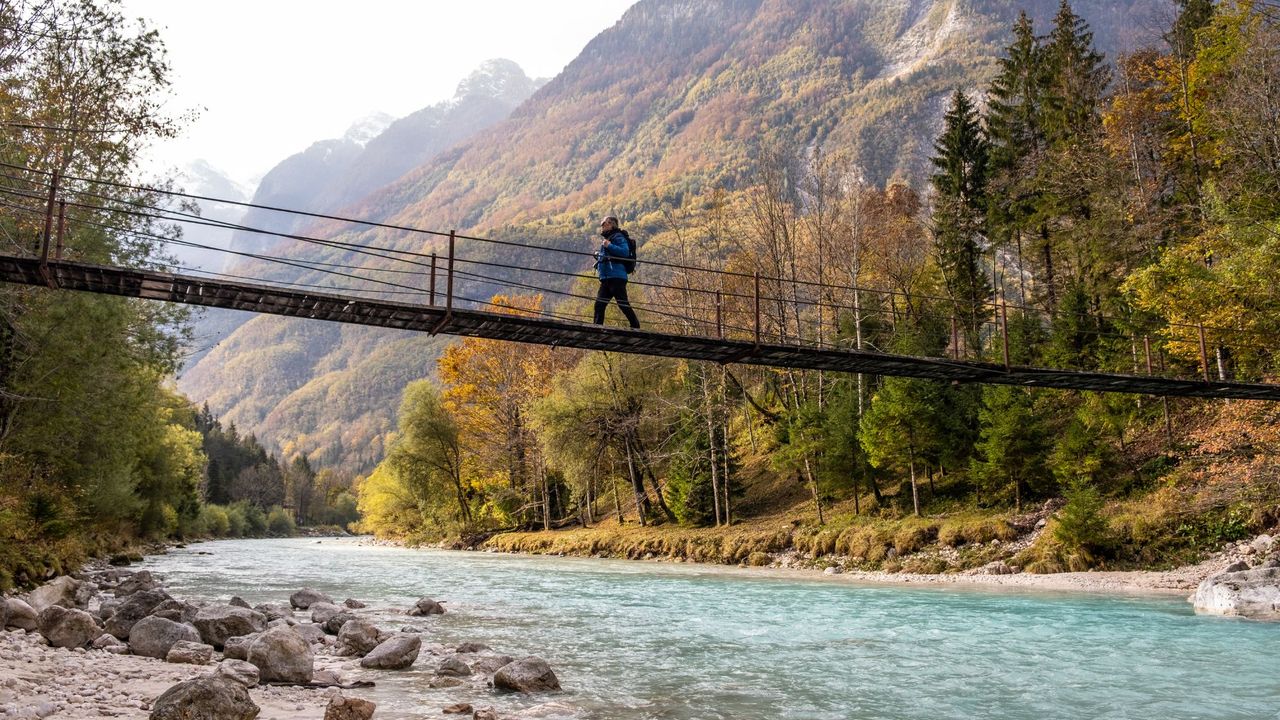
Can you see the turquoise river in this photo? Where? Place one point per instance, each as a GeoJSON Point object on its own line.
{"type": "Point", "coordinates": [633, 640]}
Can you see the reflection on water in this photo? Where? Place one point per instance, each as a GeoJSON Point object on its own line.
{"type": "Point", "coordinates": [644, 640]}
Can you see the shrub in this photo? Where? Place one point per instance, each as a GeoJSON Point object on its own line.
{"type": "Point", "coordinates": [280, 523]}
{"type": "Point", "coordinates": [1080, 526]}
{"type": "Point", "coordinates": [237, 525]}
{"type": "Point", "coordinates": [215, 520]}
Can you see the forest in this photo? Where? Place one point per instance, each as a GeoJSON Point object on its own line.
{"type": "Point", "coordinates": [98, 452]}
{"type": "Point", "coordinates": [1084, 212]}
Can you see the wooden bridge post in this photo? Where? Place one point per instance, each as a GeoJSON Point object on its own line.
{"type": "Point", "coordinates": [757, 307]}
{"type": "Point", "coordinates": [449, 284]}
{"type": "Point", "coordinates": [62, 226]}
{"type": "Point", "coordinates": [955, 339]}
{"type": "Point", "coordinates": [433, 278]}
{"type": "Point", "coordinates": [1164, 399]}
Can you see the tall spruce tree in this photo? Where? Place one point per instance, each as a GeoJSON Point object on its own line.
{"type": "Point", "coordinates": [1078, 77]}
{"type": "Point", "coordinates": [959, 215]}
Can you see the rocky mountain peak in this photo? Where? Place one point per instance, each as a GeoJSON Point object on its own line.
{"type": "Point", "coordinates": [368, 128]}
{"type": "Point", "coordinates": [499, 79]}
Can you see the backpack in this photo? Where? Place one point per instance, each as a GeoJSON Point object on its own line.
{"type": "Point", "coordinates": [629, 264]}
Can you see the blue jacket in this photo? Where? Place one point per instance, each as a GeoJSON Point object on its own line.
{"type": "Point", "coordinates": [617, 247]}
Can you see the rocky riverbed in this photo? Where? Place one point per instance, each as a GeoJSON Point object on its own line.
{"type": "Point", "coordinates": [114, 643]}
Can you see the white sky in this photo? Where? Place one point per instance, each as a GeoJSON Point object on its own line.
{"type": "Point", "coordinates": [269, 77]}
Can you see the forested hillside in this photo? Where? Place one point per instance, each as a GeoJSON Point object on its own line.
{"type": "Point", "coordinates": [663, 111]}
{"type": "Point", "coordinates": [1080, 202]}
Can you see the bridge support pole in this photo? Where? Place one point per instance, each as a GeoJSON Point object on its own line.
{"type": "Point", "coordinates": [433, 278]}
{"type": "Point", "coordinates": [48, 232]}
{"type": "Point", "coordinates": [757, 307]}
{"type": "Point", "coordinates": [448, 298]}
{"type": "Point", "coordinates": [1004, 330]}
{"type": "Point", "coordinates": [719, 317]}
{"type": "Point", "coordinates": [62, 226]}
{"type": "Point", "coordinates": [1204, 353]}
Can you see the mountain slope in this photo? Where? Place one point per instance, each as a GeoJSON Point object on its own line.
{"type": "Point", "coordinates": [669, 104]}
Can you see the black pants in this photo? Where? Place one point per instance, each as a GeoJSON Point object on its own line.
{"type": "Point", "coordinates": [614, 288]}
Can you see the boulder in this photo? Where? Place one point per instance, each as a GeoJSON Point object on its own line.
{"type": "Point", "coordinates": [61, 591]}
{"type": "Point", "coordinates": [395, 653]}
{"type": "Point", "coordinates": [471, 647]}
{"type": "Point", "coordinates": [342, 707]}
{"type": "Point", "coordinates": [21, 615]}
{"type": "Point", "coordinates": [526, 675]}
{"type": "Point", "coordinates": [310, 632]}
{"type": "Point", "coordinates": [1262, 544]}
{"type": "Point", "coordinates": [237, 648]}
{"type": "Point", "coordinates": [458, 709]}
{"type": "Point", "coordinates": [358, 637]}
{"type": "Point", "coordinates": [134, 608]}
{"type": "Point", "coordinates": [176, 610]}
{"type": "Point", "coordinates": [1252, 593]}
{"type": "Point", "coordinates": [237, 601]}
{"type": "Point", "coordinates": [211, 697]}
{"type": "Point", "coordinates": [426, 606]}
{"type": "Point", "coordinates": [137, 582]}
{"type": "Point", "coordinates": [306, 597]}
{"type": "Point", "coordinates": [245, 673]}
{"type": "Point", "coordinates": [334, 624]}
{"type": "Point", "coordinates": [273, 611]}
{"type": "Point", "coordinates": [67, 628]}
{"type": "Point", "coordinates": [322, 612]}
{"type": "Point", "coordinates": [153, 636]}
{"type": "Point", "coordinates": [488, 712]}
{"type": "Point", "coordinates": [453, 667]}
{"type": "Point", "coordinates": [282, 656]}
{"type": "Point", "coordinates": [220, 622]}
{"type": "Point", "coordinates": [189, 653]}
{"type": "Point", "coordinates": [490, 664]}
{"type": "Point", "coordinates": [110, 643]}
{"type": "Point", "coordinates": [353, 604]}
{"type": "Point", "coordinates": [438, 682]}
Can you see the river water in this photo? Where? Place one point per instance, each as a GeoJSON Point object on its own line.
{"type": "Point", "coordinates": [633, 640]}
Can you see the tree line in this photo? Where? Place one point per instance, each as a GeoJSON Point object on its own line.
{"type": "Point", "coordinates": [1082, 214]}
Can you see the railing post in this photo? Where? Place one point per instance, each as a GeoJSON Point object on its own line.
{"type": "Point", "coordinates": [449, 284]}
{"type": "Point", "coordinates": [955, 339]}
{"type": "Point", "coordinates": [1164, 399]}
{"type": "Point", "coordinates": [62, 226]}
{"type": "Point", "coordinates": [1204, 353]}
{"type": "Point", "coordinates": [719, 317]}
{"type": "Point", "coordinates": [1004, 329]}
{"type": "Point", "coordinates": [433, 278]}
{"type": "Point", "coordinates": [757, 307]}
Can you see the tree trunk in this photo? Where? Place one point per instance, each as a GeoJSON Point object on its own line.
{"type": "Point", "coordinates": [813, 488]}
{"type": "Point", "coordinates": [915, 495]}
{"type": "Point", "coordinates": [637, 486]}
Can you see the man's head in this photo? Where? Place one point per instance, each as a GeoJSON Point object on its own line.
{"type": "Point", "coordinates": [608, 225]}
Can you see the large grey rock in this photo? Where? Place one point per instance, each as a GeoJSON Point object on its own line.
{"type": "Point", "coordinates": [453, 666]}
{"type": "Point", "coordinates": [176, 610]}
{"type": "Point", "coordinates": [334, 624]}
{"type": "Point", "coordinates": [111, 644]}
{"type": "Point", "coordinates": [526, 675]}
{"type": "Point", "coordinates": [21, 615]}
{"type": "Point", "coordinates": [189, 653]}
{"type": "Point", "coordinates": [395, 653]}
{"type": "Point", "coordinates": [426, 606]}
{"type": "Point", "coordinates": [467, 648]}
{"type": "Point", "coordinates": [211, 697]}
{"type": "Point", "coordinates": [273, 611]}
{"type": "Point", "coordinates": [306, 597]}
{"type": "Point", "coordinates": [137, 582]}
{"type": "Point", "coordinates": [342, 707]}
{"type": "Point", "coordinates": [153, 636]}
{"type": "Point", "coordinates": [237, 601]}
{"type": "Point", "coordinates": [67, 628]}
{"type": "Point", "coordinates": [245, 673]}
{"type": "Point", "coordinates": [310, 632]}
{"type": "Point", "coordinates": [353, 603]}
{"type": "Point", "coordinates": [62, 591]}
{"type": "Point", "coordinates": [220, 622]}
{"type": "Point", "coordinates": [237, 648]}
{"type": "Point", "coordinates": [322, 612]}
{"type": "Point", "coordinates": [1251, 593]}
{"type": "Point", "coordinates": [490, 664]}
{"type": "Point", "coordinates": [132, 609]}
{"type": "Point", "coordinates": [282, 656]}
{"type": "Point", "coordinates": [358, 637]}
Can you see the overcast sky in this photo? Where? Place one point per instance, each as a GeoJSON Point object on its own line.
{"type": "Point", "coordinates": [269, 77]}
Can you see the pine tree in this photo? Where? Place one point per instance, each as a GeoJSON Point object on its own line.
{"type": "Point", "coordinates": [1015, 100]}
{"type": "Point", "coordinates": [959, 214]}
{"type": "Point", "coordinates": [1078, 77]}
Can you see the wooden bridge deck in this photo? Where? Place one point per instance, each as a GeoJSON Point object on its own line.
{"type": "Point", "coordinates": [169, 287]}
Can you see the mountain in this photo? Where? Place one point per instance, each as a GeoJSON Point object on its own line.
{"type": "Point", "coordinates": [671, 103]}
{"type": "Point", "coordinates": [201, 178]}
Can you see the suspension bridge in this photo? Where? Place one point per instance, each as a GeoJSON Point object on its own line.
{"type": "Point", "coordinates": [726, 317]}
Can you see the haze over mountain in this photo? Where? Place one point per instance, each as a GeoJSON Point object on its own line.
{"type": "Point", "coordinates": [201, 178]}
{"type": "Point", "coordinates": [669, 104]}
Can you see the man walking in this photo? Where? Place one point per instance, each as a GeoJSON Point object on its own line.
{"type": "Point", "coordinates": [615, 256]}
